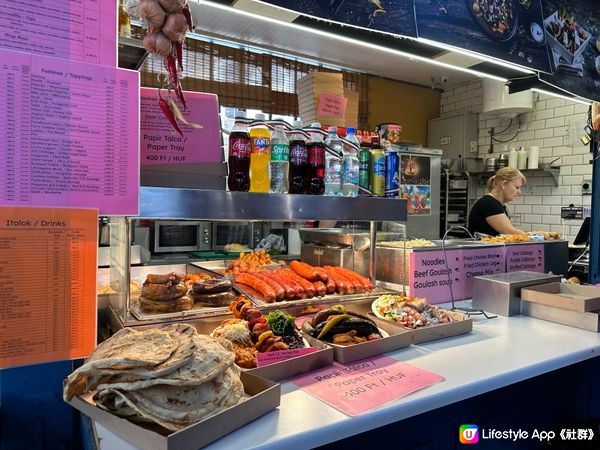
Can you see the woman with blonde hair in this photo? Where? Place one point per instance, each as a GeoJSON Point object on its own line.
{"type": "Point", "coordinates": [488, 215]}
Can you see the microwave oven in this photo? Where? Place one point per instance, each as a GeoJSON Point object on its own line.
{"type": "Point", "coordinates": [244, 233]}
{"type": "Point", "coordinates": [182, 236]}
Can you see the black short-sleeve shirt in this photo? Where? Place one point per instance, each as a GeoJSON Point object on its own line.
{"type": "Point", "coordinates": [485, 207]}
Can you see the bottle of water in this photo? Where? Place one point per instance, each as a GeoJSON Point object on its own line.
{"type": "Point", "coordinates": [350, 165]}
{"type": "Point", "coordinates": [280, 161]}
{"type": "Point", "coordinates": [333, 162]}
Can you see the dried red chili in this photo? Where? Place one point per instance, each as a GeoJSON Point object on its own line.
{"type": "Point", "coordinates": [164, 106]}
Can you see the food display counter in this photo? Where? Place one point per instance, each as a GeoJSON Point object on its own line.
{"type": "Point", "coordinates": [498, 353]}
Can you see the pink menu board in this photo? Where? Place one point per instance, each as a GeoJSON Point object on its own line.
{"type": "Point", "coordinates": [429, 276]}
{"type": "Point", "coordinates": [161, 144]}
{"type": "Point", "coordinates": [481, 261]}
{"type": "Point", "coordinates": [525, 257]}
{"type": "Point", "coordinates": [81, 30]}
{"type": "Point", "coordinates": [70, 134]}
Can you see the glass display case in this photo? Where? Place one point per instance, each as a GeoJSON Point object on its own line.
{"type": "Point", "coordinates": [359, 220]}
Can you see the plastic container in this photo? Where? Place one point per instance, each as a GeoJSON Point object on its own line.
{"type": "Point", "coordinates": [333, 163]}
{"type": "Point", "coordinates": [298, 161]}
{"type": "Point", "coordinates": [316, 162]}
{"type": "Point", "coordinates": [350, 165]}
{"type": "Point", "coordinates": [238, 161]}
{"type": "Point", "coordinates": [534, 157]}
{"type": "Point", "coordinates": [522, 159]}
{"type": "Point", "coordinates": [513, 158]}
{"type": "Point", "coordinates": [280, 161]}
{"type": "Point", "coordinates": [260, 156]}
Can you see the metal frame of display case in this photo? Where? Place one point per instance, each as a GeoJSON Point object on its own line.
{"type": "Point", "coordinates": [203, 204]}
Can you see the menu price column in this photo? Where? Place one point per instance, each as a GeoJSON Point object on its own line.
{"type": "Point", "coordinates": [48, 296]}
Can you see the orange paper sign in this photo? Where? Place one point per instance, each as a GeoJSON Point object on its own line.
{"type": "Point", "coordinates": [48, 260]}
{"type": "Point", "coordinates": [332, 105]}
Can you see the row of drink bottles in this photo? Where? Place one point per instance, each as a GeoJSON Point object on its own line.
{"type": "Point", "coordinates": [306, 163]}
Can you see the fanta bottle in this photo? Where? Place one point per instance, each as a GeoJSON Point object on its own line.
{"type": "Point", "coordinates": [259, 158]}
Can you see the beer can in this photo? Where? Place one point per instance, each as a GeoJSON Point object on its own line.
{"type": "Point", "coordinates": [364, 162]}
{"type": "Point", "coordinates": [377, 172]}
{"type": "Point", "coordinates": [392, 174]}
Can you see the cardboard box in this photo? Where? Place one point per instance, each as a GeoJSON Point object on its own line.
{"type": "Point", "coordinates": [461, 325]}
{"type": "Point", "coordinates": [589, 321]}
{"type": "Point", "coordinates": [565, 296]}
{"type": "Point", "coordinates": [284, 369]}
{"type": "Point", "coordinates": [351, 116]}
{"type": "Point", "coordinates": [398, 338]}
{"type": "Point", "coordinates": [310, 88]}
{"type": "Point", "coordinates": [265, 394]}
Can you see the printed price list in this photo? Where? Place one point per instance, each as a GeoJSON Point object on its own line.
{"type": "Point", "coordinates": [71, 133]}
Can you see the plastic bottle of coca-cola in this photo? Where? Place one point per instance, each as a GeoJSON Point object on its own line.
{"type": "Point", "coordinates": [298, 161]}
{"type": "Point", "coordinates": [316, 162]}
{"type": "Point", "coordinates": [239, 155]}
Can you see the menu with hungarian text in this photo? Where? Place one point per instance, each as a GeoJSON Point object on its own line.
{"type": "Point", "coordinates": [70, 134]}
{"type": "Point", "coordinates": [48, 278]}
{"type": "Point", "coordinates": [81, 30]}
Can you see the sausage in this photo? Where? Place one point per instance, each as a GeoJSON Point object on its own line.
{"type": "Point", "coordinates": [323, 275]}
{"type": "Point", "coordinates": [290, 292]}
{"type": "Point", "coordinates": [358, 286]}
{"type": "Point", "coordinates": [155, 291]}
{"type": "Point", "coordinates": [329, 286]}
{"type": "Point", "coordinates": [172, 277]}
{"type": "Point", "coordinates": [306, 271]}
{"type": "Point", "coordinates": [177, 304]}
{"type": "Point", "coordinates": [214, 299]}
{"type": "Point", "coordinates": [292, 289]}
{"type": "Point", "coordinates": [308, 287]}
{"type": "Point", "coordinates": [212, 286]}
{"type": "Point", "coordinates": [367, 283]}
{"type": "Point", "coordinates": [320, 287]}
{"type": "Point", "coordinates": [279, 289]}
{"type": "Point", "coordinates": [265, 289]}
{"type": "Point", "coordinates": [341, 286]}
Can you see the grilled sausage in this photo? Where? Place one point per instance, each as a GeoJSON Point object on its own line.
{"type": "Point", "coordinates": [265, 289]}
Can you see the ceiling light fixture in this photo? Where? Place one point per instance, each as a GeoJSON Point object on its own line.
{"type": "Point", "coordinates": [565, 97]}
{"type": "Point", "coordinates": [349, 40]}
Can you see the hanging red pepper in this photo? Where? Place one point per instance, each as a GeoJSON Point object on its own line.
{"type": "Point", "coordinates": [164, 106]}
{"type": "Point", "coordinates": [179, 50]}
{"type": "Point", "coordinates": [170, 64]}
{"type": "Point", "coordinates": [188, 16]}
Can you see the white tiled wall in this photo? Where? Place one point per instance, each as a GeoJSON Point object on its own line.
{"type": "Point", "coordinates": [555, 125]}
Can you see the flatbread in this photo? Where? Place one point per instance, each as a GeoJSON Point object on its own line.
{"type": "Point", "coordinates": [176, 407]}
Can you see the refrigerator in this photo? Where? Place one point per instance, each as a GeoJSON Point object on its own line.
{"type": "Point", "coordinates": [419, 184]}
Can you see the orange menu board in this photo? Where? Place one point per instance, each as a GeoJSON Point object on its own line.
{"type": "Point", "coordinates": [48, 260]}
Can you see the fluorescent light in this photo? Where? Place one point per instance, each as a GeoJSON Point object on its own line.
{"type": "Point", "coordinates": [349, 40]}
{"type": "Point", "coordinates": [565, 97]}
{"type": "Point", "coordinates": [490, 59]}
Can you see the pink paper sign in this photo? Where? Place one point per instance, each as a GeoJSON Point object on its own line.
{"type": "Point", "coordinates": [264, 359]}
{"type": "Point", "coordinates": [161, 144]}
{"type": "Point", "coordinates": [525, 257]}
{"type": "Point", "coordinates": [364, 385]}
{"type": "Point", "coordinates": [332, 105]}
{"type": "Point", "coordinates": [82, 30]}
{"type": "Point", "coordinates": [481, 261]}
{"type": "Point", "coordinates": [430, 278]}
{"type": "Point", "coordinates": [70, 134]}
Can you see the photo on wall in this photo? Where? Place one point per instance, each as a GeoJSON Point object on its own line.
{"type": "Point", "coordinates": [388, 16]}
{"type": "Point", "coordinates": [509, 30]}
{"type": "Point", "coordinates": [415, 184]}
{"type": "Point", "coordinates": [572, 31]}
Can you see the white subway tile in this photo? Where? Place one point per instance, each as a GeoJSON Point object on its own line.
{"type": "Point", "coordinates": [580, 109]}
{"type": "Point", "coordinates": [571, 179]}
{"type": "Point", "coordinates": [583, 169]}
{"type": "Point", "coordinates": [537, 125]}
{"type": "Point", "coordinates": [571, 200]}
{"type": "Point", "coordinates": [551, 220]}
{"type": "Point", "coordinates": [540, 105]}
{"type": "Point", "coordinates": [560, 131]}
{"type": "Point", "coordinates": [544, 114]}
{"type": "Point", "coordinates": [545, 152]}
{"type": "Point", "coordinates": [541, 209]}
{"type": "Point", "coordinates": [554, 102]}
{"type": "Point", "coordinates": [522, 209]}
{"type": "Point", "coordinates": [560, 190]}
{"type": "Point", "coordinates": [543, 133]}
{"type": "Point", "coordinates": [555, 210]}
{"type": "Point", "coordinates": [553, 142]}
{"type": "Point", "coordinates": [555, 122]}
{"type": "Point", "coordinates": [572, 160]}
{"type": "Point", "coordinates": [561, 151]}
{"type": "Point", "coordinates": [580, 150]}
{"type": "Point", "coordinates": [566, 111]}
{"type": "Point", "coordinates": [540, 190]}
{"type": "Point", "coordinates": [532, 218]}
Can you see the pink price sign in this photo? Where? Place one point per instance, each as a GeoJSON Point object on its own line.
{"type": "Point", "coordinates": [365, 385]}
{"type": "Point", "coordinates": [73, 134]}
{"type": "Point", "coordinates": [525, 257]}
{"type": "Point", "coordinates": [481, 261]}
{"type": "Point", "coordinates": [331, 105]}
{"type": "Point", "coordinates": [161, 144]}
{"type": "Point", "coordinates": [82, 30]}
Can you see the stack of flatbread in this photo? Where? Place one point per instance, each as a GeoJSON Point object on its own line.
{"type": "Point", "coordinates": [170, 376]}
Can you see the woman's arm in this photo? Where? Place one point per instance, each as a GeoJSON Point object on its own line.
{"type": "Point", "coordinates": [502, 224]}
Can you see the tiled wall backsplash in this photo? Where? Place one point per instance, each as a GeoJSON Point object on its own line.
{"type": "Point", "coordinates": [555, 125]}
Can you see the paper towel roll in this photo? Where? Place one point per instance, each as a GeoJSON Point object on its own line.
{"type": "Point", "coordinates": [534, 156]}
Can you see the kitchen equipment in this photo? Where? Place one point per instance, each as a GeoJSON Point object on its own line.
{"type": "Point", "coordinates": [501, 293]}
{"type": "Point", "coordinates": [245, 233]}
{"type": "Point", "coordinates": [103, 232]}
{"type": "Point", "coordinates": [490, 165]}
{"type": "Point", "coordinates": [457, 136]}
{"type": "Point", "coordinates": [447, 164]}
{"type": "Point", "coordinates": [454, 202]}
{"type": "Point", "coordinates": [501, 161]}
{"type": "Point", "coordinates": [181, 236]}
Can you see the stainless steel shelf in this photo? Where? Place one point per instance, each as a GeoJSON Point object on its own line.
{"type": "Point", "coordinates": [204, 204]}
{"type": "Point", "coordinates": [552, 171]}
